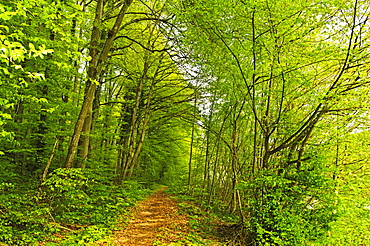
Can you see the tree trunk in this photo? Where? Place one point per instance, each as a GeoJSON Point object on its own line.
{"type": "Point", "coordinates": [192, 143]}
{"type": "Point", "coordinates": [95, 68]}
{"type": "Point", "coordinates": [143, 130]}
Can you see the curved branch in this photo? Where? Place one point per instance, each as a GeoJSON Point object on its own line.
{"type": "Point", "coordinates": [145, 19]}
{"type": "Point", "coordinates": [143, 46]}
{"type": "Point", "coordinates": [321, 108]}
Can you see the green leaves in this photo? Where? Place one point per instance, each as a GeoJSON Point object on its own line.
{"type": "Point", "coordinates": [273, 72]}
{"type": "Point", "coordinates": [11, 51]}
{"type": "Point", "coordinates": [6, 15]}
{"type": "Point", "coordinates": [290, 209]}
{"type": "Point", "coordinates": [39, 52]}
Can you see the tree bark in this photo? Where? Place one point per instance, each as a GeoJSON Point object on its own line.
{"type": "Point", "coordinates": [95, 68]}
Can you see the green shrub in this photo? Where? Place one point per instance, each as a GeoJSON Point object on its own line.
{"type": "Point", "coordinates": [22, 221]}
{"type": "Point", "coordinates": [291, 209]}
{"type": "Point", "coordinates": [69, 198]}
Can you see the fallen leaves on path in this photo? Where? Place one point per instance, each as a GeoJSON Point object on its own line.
{"type": "Point", "coordinates": [155, 221]}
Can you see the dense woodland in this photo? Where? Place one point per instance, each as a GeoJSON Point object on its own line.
{"type": "Point", "coordinates": [255, 109]}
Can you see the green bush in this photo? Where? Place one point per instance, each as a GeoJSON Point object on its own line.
{"type": "Point", "coordinates": [69, 198]}
{"type": "Point", "coordinates": [22, 221]}
{"type": "Point", "coordinates": [353, 224]}
{"type": "Point", "coordinates": [79, 197]}
{"type": "Point", "coordinates": [291, 209]}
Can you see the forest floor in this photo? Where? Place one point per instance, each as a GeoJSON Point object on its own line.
{"type": "Point", "coordinates": [157, 221]}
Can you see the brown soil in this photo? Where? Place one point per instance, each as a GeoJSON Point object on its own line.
{"type": "Point", "coordinates": [155, 221]}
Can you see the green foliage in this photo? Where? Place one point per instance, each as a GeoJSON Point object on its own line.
{"type": "Point", "coordinates": [22, 222]}
{"type": "Point", "coordinates": [70, 198]}
{"type": "Point", "coordinates": [80, 197]}
{"type": "Point", "coordinates": [164, 156]}
{"type": "Point", "coordinates": [352, 191]}
{"type": "Point", "coordinates": [88, 236]}
{"type": "Point", "coordinates": [202, 222]}
{"type": "Point", "coordinates": [272, 79]}
{"type": "Point", "coordinates": [275, 72]}
{"type": "Point", "coordinates": [352, 225]}
{"type": "Point", "coordinates": [36, 52]}
{"type": "Point", "coordinates": [294, 209]}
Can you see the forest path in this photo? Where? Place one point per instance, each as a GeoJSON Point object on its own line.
{"type": "Point", "coordinates": [155, 221]}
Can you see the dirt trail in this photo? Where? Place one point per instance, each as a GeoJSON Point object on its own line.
{"type": "Point", "coordinates": [155, 222]}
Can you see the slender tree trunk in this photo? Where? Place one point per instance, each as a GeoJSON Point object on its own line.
{"type": "Point", "coordinates": [211, 188]}
{"type": "Point", "coordinates": [144, 129]}
{"type": "Point", "coordinates": [255, 125]}
{"type": "Point", "coordinates": [48, 164]}
{"type": "Point", "coordinates": [72, 150]}
{"type": "Point", "coordinates": [130, 142]}
{"type": "Point", "coordinates": [191, 145]}
{"type": "Point", "coordinates": [18, 118]}
{"type": "Point", "coordinates": [206, 175]}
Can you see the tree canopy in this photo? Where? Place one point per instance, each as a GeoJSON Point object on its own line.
{"type": "Point", "coordinates": [255, 108]}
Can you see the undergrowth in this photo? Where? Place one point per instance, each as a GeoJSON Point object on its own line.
{"type": "Point", "coordinates": [204, 223]}
{"type": "Point", "coordinates": [72, 207]}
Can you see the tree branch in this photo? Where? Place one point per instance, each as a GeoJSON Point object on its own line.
{"type": "Point", "coordinates": [143, 46]}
